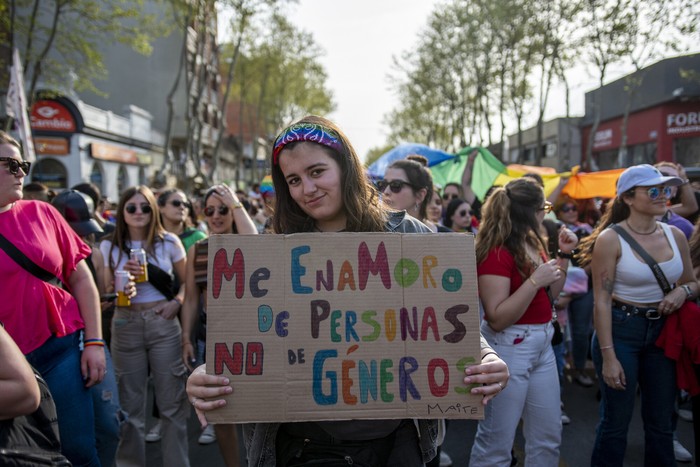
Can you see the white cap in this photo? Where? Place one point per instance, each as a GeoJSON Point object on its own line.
{"type": "Point", "coordinates": [644, 175]}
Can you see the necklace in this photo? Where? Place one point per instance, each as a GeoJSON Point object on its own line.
{"type": "Point", "coordinates": [641, 233]}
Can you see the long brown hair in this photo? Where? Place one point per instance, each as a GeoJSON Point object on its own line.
{"type": "Point", "coordinates": [361, 202]}
{"type": "Point", "coordinates": [616, 211]}
{"type": "Point", "coordinates": [509, 219]}
{"type": "Point", "coordinates": [120, 237]}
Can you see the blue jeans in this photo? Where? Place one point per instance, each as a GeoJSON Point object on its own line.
{"type": "Point", "coordinates": [58, 361]}
{"type": "Point", "coordinates": [108, 414]}
{"type": "Point", "coordinates": [645, 365]}
{"type": "Point", "coordinates": [580, 318]}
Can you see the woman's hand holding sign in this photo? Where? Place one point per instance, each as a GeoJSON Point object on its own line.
{"type": "Point", "coordinates": [492, 374]}
{"type": "Point", "coordinates": [203, 391]}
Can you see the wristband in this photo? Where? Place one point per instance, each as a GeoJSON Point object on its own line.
{"type": "Point", "coordinates": [688, 291]}
{"type": "Point", "coordinates": [89, 342]}
{"type": "Point", "coordinates": [607, 347]}
{"type": "Point", "coordinates": [563, 255]}
{"type": "Point", "coordinates": [533, 282]}
{"type": "Point", "coordinates": [237, 205]}
{"type": "Point", "coordinates": [487, 354]}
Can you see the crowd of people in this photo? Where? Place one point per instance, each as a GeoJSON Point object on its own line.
{"type": "Point", "coordinates": [104, 299]}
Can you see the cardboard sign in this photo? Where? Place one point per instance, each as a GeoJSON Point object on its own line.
{"type": "Point", "coordinates": [343, 326]}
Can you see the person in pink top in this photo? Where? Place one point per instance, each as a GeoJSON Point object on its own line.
{"type": "Point", "coordinates": [49, 322]}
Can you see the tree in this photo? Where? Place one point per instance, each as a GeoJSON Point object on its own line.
{"type": "Point", "coordinates": [473, 61]}
{"type": "Point", "coordinates": [59, 40]}
{"type": "Point", "coordinates": [279, 79]}
{"type": "Point", "coordinates": [662, 26]}
{"type": "Point", "coordinates": [610, 33]}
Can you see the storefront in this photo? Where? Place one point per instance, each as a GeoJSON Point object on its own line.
{"type": "Point", "coordinates": [76, 143]}
{"type": "Point", "coordinates": [663, 123]}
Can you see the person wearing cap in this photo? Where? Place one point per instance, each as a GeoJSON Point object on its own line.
{"type": "Point", "coordinates": [98, 203]}
{"type": "Point", "coordinates": [46, 321]}
{"type": "Point", "coordinates": [77, 209]}
{"type": "Point", "coordinates": [629, 314]}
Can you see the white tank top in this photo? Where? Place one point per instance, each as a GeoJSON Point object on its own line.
{"type": "Point", "coordinates": [634, 281]}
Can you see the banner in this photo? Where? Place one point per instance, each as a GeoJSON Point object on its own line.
{"type": "Point", "coordinates": [17, 106]}
{"type": "Point", "coordinates": [343, 326]}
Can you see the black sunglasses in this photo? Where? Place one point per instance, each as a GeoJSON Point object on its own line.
{"type": "Point", "coordinates": [177, 203]}
{"type": "Point", "coordinates": [569, 208]}
{"type": "Point", "coordinates": [145, 208]}
{"type": "Point", "coordinates": [395, 185]}
{"type": "Point", "coordinates": [13, 165]}
{"type": "Point", "coordinates": [449, 196]}
{"type": "Point", "coordinates": [464, 213]}
{"type": "Point", "coordinates": [209, 210]}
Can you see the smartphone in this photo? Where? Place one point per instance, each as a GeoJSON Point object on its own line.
{"type": "Point", "coordinates": [108, 297]}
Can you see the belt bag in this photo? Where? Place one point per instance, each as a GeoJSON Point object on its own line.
{"type": "Point", "coordinates": [162, 281]}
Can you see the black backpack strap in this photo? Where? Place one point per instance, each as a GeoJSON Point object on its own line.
{"type": "Point", "coordinates": [29, 265]}
{"type": "Point", "coordinates": [655, 268]}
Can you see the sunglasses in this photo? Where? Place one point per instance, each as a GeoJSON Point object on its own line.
{"type": "Point", "coordinates": [449, 196]}
{"type": "Point", "coordinates": [655, 191]}
{"type": "Point", "coordinates": [13, 165]}
{"type": "Point", "coordinates": [464, 213]}
{"type": "Point", "coordinates": [395, 185]}
{"type": "Point", "coordinates": [145, 208]}
{"type": "Point", "coordinates": [547, 208]}
{"type": "Point", "coordinates": [177, 203]}
{"type": "Point", "coordinates": [569, 208]}
{"type": "Point", "coordinates": [210, 210]}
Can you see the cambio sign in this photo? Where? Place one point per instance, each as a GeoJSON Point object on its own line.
{"type": "Point", "coordinates": [51, 116]}
{"type": "Point", "coordinates": [681, 123]}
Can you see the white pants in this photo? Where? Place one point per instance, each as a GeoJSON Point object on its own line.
{"type": "Point", "coordinates": [532, 393]}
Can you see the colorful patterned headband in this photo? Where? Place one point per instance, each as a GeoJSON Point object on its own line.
{"type": "Point", "coordinates": [312, 132]}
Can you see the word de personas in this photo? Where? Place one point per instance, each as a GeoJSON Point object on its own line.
{"type": "Point", "coordinates": [343, 326]}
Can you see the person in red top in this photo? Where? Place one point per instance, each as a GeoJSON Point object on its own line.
{"type": "Point", "coordinates": [515, 284]}
{"type": "Point", "coordinates": [46, 321]}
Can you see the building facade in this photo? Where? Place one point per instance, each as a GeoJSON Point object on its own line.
{"type": "Point", "coordinates": [561, 145]}
{"type": "Point", "coordinates": [76, 142]}
{"type": "Point", "coordinates": [663, 122]}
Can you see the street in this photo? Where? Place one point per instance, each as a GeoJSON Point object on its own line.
{"type": "Point", "coordinates": [577, 440]}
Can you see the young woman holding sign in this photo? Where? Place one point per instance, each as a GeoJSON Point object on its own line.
{"type": "Point", "coordinates": [321, 187]}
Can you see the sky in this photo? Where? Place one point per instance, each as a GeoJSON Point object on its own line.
{"type": "Point", "coordinates": [360, 39]}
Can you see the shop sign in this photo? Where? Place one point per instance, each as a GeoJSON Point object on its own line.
{"type": "Point", "coordinates": [603, 138]}
{"type": "Point", "coordinates": [108, 152]}
{"type": "Point", "coordinates": [52, 146]}
{"type": "Point", "coordinates": [51, 116]}
{"type": "Point", "coordinates": [683, 123]}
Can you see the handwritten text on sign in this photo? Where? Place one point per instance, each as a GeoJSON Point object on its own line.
{"type": "Point", "coordinates": [343, 326]}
